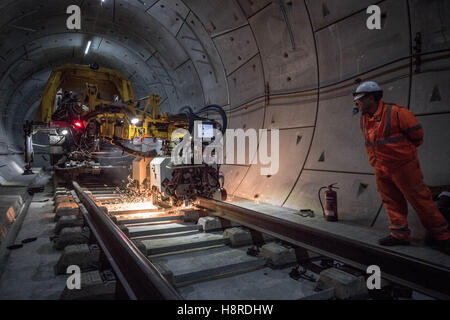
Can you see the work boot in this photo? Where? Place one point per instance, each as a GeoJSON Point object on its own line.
{"type": "Point", "coordinates": [441, 245]}
{"type": "Point", "coordinates": [390, 241]}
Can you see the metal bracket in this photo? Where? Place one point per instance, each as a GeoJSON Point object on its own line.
{"type": "Point", "coordinates": [286, 20]}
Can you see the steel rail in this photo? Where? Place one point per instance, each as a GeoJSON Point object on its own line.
{"type": "Point", "coordinates": [423, 276]}
{"type": "Point", "coordinates": [138, 277]}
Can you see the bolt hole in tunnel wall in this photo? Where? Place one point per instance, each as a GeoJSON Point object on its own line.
{"type": "Point", "coordinates": [288, 65]}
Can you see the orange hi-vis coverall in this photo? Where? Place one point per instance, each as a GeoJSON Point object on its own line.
{"type": "Point", "coordinates": [392, 136]}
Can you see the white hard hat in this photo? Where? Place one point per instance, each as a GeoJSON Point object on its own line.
{"type": "Point", "coordinates": [365, 88]}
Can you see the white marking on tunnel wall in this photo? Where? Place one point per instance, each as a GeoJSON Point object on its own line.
{"type": "Point", "coordinates": [374, 21]}
{"type": "Point", "coordinates": [74, 280]}
{"type": "Point", "coordinates": [73, 22]}
{"type": "Point", "coordinates": [374, 280]}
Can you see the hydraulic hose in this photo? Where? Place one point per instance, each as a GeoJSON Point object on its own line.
{"type": "Point", "coordinates": [145, 154]}
{"type": "Point", "coordinates": [220, 111]}
{"type": "Point", "coordinates": [190, 116]}
{"type": "Point", "coordinates": [320, 200]}
{"type": "Point", "coordinates": [193, 116]}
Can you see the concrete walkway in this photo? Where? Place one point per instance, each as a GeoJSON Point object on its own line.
{"type": "Point", "coordinates": [28, 273]}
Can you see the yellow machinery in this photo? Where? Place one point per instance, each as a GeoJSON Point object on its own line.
{"type": "Point", "coordinates": [108, 96]}
{"type": "Point", "coordinates": [83, 105]}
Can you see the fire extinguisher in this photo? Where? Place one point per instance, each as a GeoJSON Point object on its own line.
{"type": "Point", "coordinates": [330, 212]}
{"type": "Point", "coordinates": [223, 194]}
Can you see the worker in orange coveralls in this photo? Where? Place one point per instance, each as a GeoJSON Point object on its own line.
{"type": "Point", "coordinates": [392, 134]}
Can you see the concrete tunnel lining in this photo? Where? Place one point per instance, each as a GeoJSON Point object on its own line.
{"type": "Point", "coordinates": [241, 56]}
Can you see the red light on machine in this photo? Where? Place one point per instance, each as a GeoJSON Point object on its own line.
{"type": "Point", "coordinates": [78, 124]}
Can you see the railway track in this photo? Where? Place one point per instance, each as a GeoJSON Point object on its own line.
{"type": "Point", "coordinates": [212, 250]}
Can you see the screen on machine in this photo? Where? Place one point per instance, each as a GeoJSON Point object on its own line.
{"type": "Point", "coordinates": [205, 130]}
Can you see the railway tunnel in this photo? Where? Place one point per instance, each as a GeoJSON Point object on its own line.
{"type": "Point", "coordinates": [287, 65]}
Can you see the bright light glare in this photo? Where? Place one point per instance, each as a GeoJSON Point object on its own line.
{"type": "Point", "coordinates": [134, 120]}
{"type": "Point", "coordinates": [87, 47]}
{"type": "Point", "coordinates": [16, 166]}
{"type": "Point", "coordinates": [131, 206]}
{"type": "Point", "coordinates": [64, 132]}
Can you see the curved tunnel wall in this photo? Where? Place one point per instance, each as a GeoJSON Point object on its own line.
{"type": "Point", "coordinates": [294, 72]}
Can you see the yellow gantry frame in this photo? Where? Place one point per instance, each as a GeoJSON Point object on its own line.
{"type": "Point", "coordinates": [154, 124]}
{"type": "Point", "coordinates": [73, 74]}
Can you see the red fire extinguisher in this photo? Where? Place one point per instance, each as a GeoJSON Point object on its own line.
{"type": "Point", "coordinates": [330, 212]}
{"type": "Point", "coordinates": [223, 194]}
